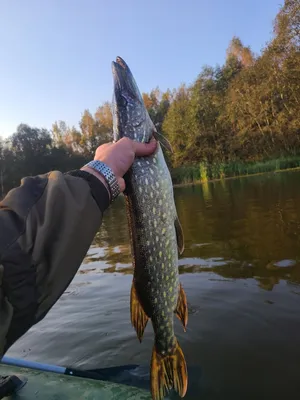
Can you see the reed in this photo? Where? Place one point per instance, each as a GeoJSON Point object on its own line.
{"type": "Point", "coordinates": [205, 172]}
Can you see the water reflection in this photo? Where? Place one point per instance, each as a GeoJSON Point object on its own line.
{"type": "Point", "coordinates": [241, 273]}
{"type": "Point", "coordinates": [240, 228]}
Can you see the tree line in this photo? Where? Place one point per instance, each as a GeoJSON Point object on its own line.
{"type": "Point", "coordinates": [246, 110]}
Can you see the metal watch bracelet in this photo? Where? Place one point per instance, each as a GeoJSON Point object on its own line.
{"type": "Point", "coordinates": [108, 175]}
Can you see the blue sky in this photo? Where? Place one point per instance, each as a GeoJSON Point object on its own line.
{"type": "Point", "coordinates": [56, 54]}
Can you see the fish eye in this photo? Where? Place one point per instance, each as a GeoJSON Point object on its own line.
{"type": "Point", "coordinates": [123, 100]}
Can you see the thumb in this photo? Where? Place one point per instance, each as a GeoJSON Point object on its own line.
{"type": "Point", "coordinates": [144, 149]}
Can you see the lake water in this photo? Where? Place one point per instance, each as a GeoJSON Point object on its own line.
{"type": "Point", "coordinates": [241, 273]}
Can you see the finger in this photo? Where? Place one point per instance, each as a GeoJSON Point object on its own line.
{"type": "Point", "coordinates": [144, 149]}
{"type": "Point", "coordinates": [121, 184]}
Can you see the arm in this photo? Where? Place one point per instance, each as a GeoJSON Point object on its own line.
{"type": "Point", "coordinates": [46, 228]}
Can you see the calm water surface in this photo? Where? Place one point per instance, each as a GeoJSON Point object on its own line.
{"type": "Point", "coordinates": [241, 274]}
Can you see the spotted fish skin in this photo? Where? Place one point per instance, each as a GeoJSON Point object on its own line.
{"type": "Point", "coordinates": [152, 215]}
{"type": "Point", "coordinates": [155, 236]}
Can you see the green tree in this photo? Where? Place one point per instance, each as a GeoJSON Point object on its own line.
{"type": "Point", "coordinates": [158, 104]}
{"type": "Point", "coordinates": [176, 126]}
{"type": "Point", "coordinates": [96, 130]}
{"type": "Point", "coordinates": [263, 101]}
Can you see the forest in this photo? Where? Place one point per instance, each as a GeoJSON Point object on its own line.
{"type": "Point", "coordinates": [239, 118]}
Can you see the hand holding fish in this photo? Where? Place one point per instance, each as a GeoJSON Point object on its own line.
{"type": "Point", "coordinates": [119, 157]}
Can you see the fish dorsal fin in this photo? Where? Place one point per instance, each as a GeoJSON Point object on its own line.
{"type": "Point", "coordinates": [179, 235]}
{"type": "Point", "coordinates": [182, 308]}
{"type": "Point", "coordinates": [163, 141]}
{"type": "Point", "coordinates": [139, 318]}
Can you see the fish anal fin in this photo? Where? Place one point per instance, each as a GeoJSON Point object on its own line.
{"type": "Point", "coordinates": [168, 372]}
{"type": "Point", "coordinates": [182, 308]}
{"type": "Point", "coordinates": [163, 141]}
{"type": "Point", "coordinates": [139, 318]}
{"type": "Point", "coordinates": [179, 235]}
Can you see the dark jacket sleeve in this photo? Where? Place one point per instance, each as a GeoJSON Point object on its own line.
{"type": "Point", "coordinates": [47, 225]}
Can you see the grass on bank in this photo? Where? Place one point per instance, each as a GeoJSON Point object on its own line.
{"type": "Point", "coordinates": [204, 172]}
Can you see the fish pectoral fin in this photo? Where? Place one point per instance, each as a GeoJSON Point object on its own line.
{"type": "Point", "coordinates": [179, 235]}
{"type": "Point", "coordinates": [182, 308]}
{"type": "Point", "coordinates": [139, 318]}
{"type": "Point", "coordinates": [163, 141]}
{"type": "Point", "coordinates": [168, 372]}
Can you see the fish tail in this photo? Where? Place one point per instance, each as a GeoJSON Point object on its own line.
{"type": "Point", "coordinates": [168, 372]}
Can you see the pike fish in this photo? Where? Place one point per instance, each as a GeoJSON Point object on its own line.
{"type": "Point", "coordinates": [156, 238]}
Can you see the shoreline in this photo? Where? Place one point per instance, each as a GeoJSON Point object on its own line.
{"type": "Point", "coordinates": [198, 182]}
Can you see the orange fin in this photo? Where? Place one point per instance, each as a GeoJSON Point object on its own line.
{"type": "Point", "coordinates": [139, 318]}
{"type": "Point", "coordinates": [168, 372]}
{"type": "Point", "coordinates": [182, 308]}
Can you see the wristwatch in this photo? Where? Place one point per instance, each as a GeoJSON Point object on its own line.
{"type": "Point", "coordinates": [108, 175]}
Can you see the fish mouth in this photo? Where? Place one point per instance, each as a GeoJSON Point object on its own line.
{"type": "Point", "coordinates": [124, 82]}
{"type": "Point", "coordinates": [119, 67]}
{"type": "Point", "coordinates": [121, 62]}
{"type": "Point", "coordinates": [119, 72]}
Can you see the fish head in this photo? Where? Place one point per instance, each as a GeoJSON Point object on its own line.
{"type": "Point", "coordinates": [130, 116]}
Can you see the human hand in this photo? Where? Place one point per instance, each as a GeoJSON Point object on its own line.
{"type": "Point", "coordinates": [119, 157]}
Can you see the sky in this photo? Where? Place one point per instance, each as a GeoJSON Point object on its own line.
{"type": "Point", "coordinates": [56, 54]}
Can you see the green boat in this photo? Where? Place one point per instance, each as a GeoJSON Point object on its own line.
{"type": "Point", "coordinates": [47, 382]}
